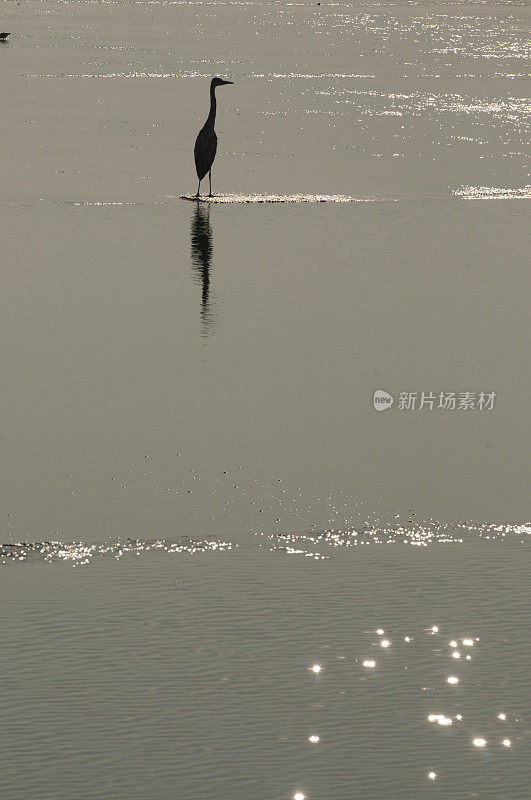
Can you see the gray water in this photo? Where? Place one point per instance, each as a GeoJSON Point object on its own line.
{"type": "Point", "coordinates": [199, 501]}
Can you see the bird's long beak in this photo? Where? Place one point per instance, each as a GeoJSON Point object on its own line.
{"type": "Point", "coordinates": [228, 81]}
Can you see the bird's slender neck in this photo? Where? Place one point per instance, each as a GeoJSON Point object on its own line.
{"type": "Point", "coordinates": [212, 116]}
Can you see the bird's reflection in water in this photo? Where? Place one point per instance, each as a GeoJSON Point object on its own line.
{"type": "Point", "coordinates": [201, 247]}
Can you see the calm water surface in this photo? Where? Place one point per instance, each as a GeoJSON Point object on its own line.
{"type": "Point", "coordinates": [198, 502]}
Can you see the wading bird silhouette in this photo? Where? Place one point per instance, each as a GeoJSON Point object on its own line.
{"type": "Point", "coordinates": [207, 141]}
{"type": "Point", "coordinates": [3, 37]}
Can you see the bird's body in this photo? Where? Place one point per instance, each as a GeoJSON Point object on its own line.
{"type": "Point", "coordinates": [205, 148]}
{"type": "Point", "coordinates": [207, 142]}
{"type": "Point", "coordinates": [3, 36]}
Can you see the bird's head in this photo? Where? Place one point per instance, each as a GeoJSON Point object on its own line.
{"type": "Point", "coordinates": [219, 82]}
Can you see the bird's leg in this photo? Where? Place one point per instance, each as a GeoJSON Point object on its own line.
{"type": "Point", "coordinates": [210, 181]}
{"type": "Point", "coordinates": [198, 185]}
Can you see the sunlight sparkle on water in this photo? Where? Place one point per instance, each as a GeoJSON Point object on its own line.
{"type": "Point", "coordinates": [369, 663]}
{"type": "Point", "coordinates": [313, 739]}
{"type": "Point", "coordinates": [380, 631]}
{"type": "Point", "coordinates": [479, 742]}
{"type": "Point", "coordinates": [453, 679]}
{"type": "Point", "coordinates": [432, 776]}
{"type": "Point", "coordinates": [468, 642]}
{"type": "Point", "coordinates": [316, 669]}
{"type": "Point", "coordinates": [456, 654]}
{"type": "Point", "coordinates": [435, 628]}
{"type": "Point", "coordinates": [453, 643]}
{"type": "Point", "coordinates": [385, 643]}
{"type": "Point", "coordinates": [279, 198]}
{"type": "Point", "coordinates": [502, 716]}
{"type": "Point", "coordinates": [440, 719]}
{"type": "Point", "coordinates": [506, 742]}
{"type": "Point", "coordinates": [298, 796]}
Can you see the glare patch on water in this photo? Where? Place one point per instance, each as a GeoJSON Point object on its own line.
{"type": "Point", "coordinates": [492, 193]}
{"type": "Point", "coordinates": [434, 125]}
{"type": "Point", "coordinates": [441, 40]}
{"type": "Point", "coordinates": [237, 199]}
{"type": "Point", "coordinates": [281, 198]}
{"type": "Point", "coordinates": [308, 75]}
{"type": "Point", "coordinates": [446, 110]}
{"type": "Point", "coordinates": [80, 554]}
{"type": "Point", "coordinates": [440, 719]}
{"type": "Point", "coordinates": [414, 534]}
{"type": "Point", "coordinates": [268, 510]}
{"type": "Point", "coordinates": [105, 203]}
{"type": "Point", "coordinates": [115, 75]}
